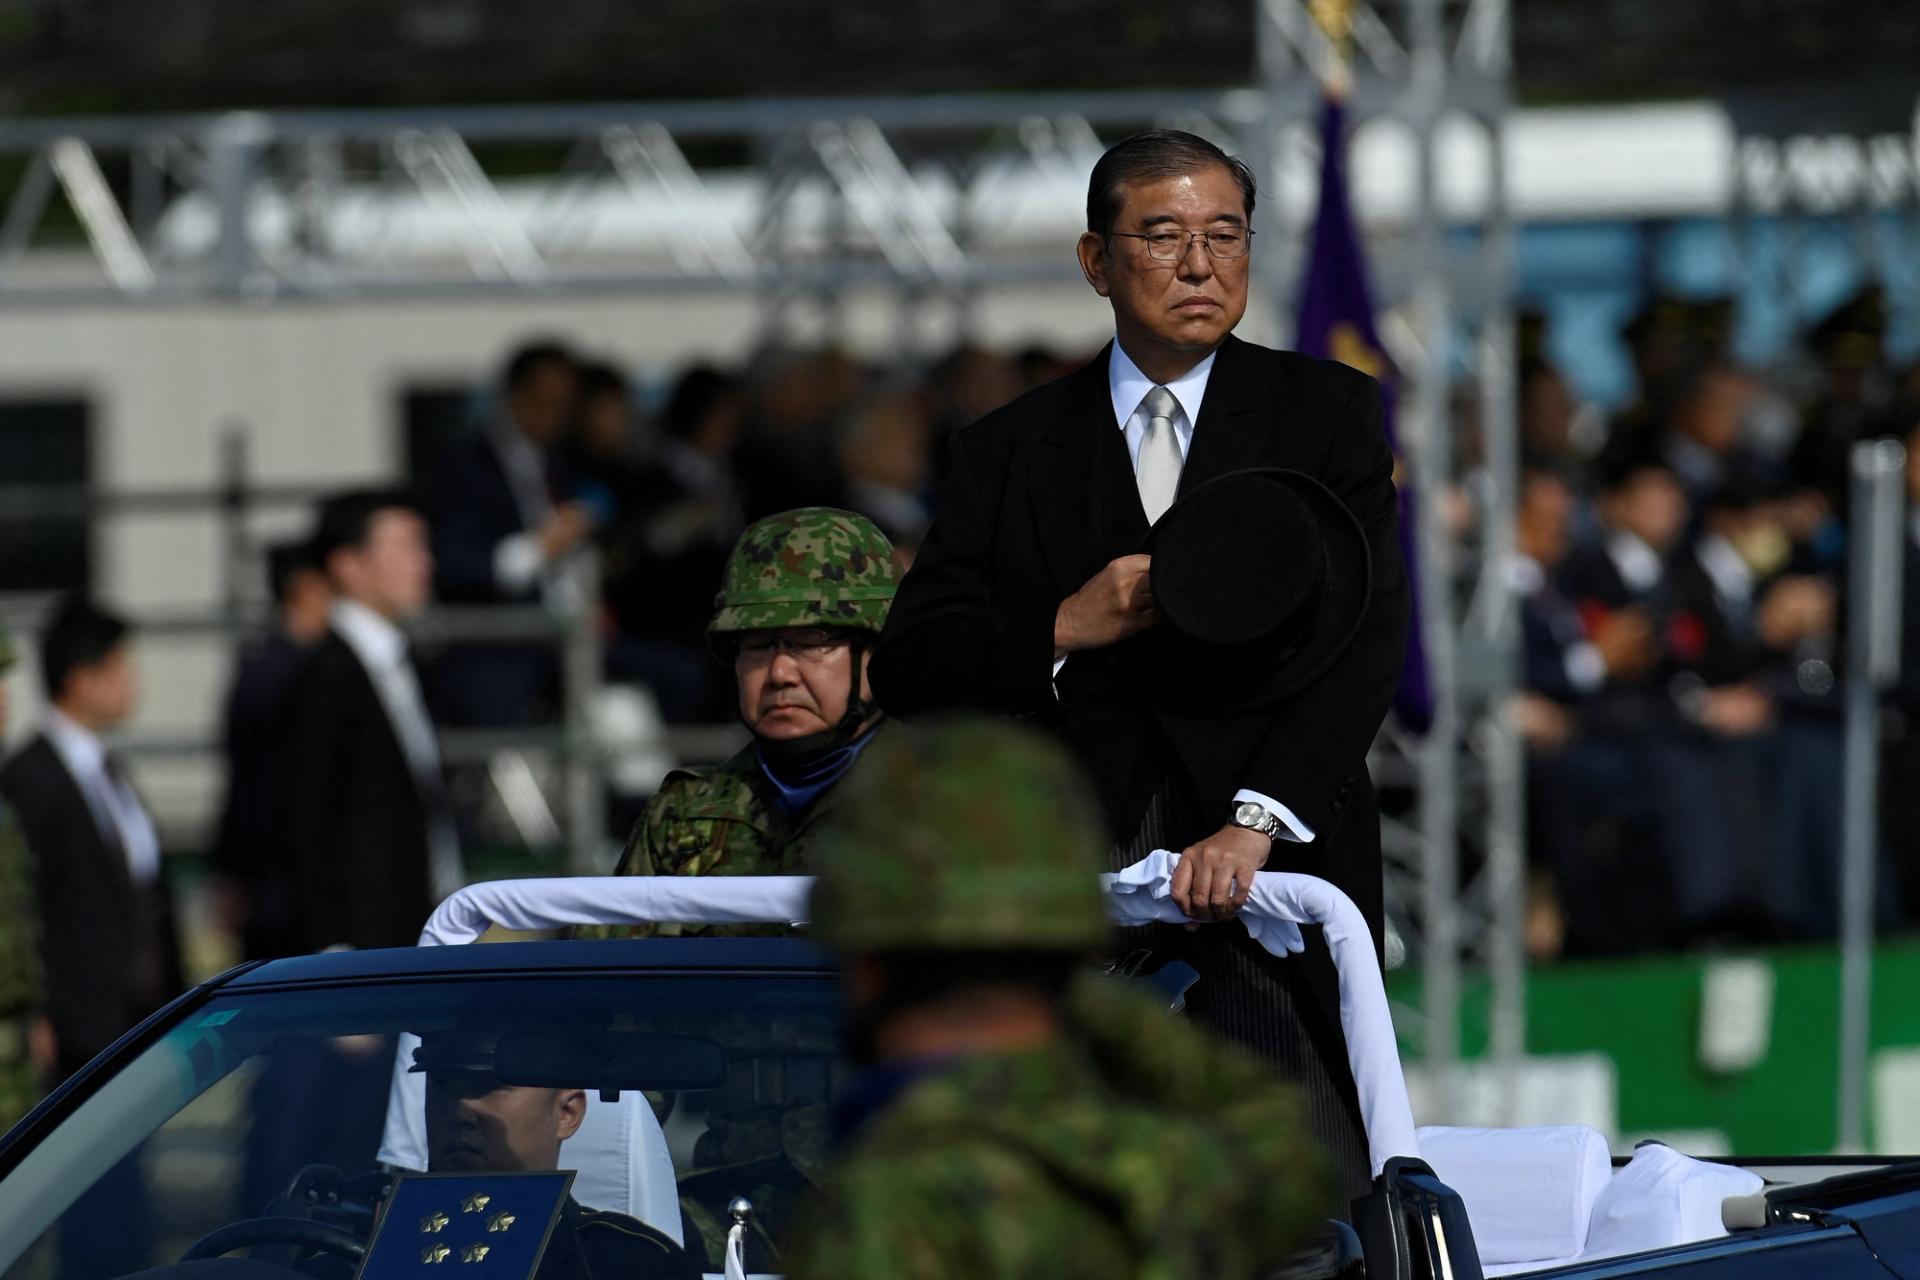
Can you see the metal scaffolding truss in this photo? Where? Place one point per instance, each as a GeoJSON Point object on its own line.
{"type": "Point", "coordinates": [794, 199]}
{"type": "Point", "coordinates": [935, 199]}
{"type": "Point", "coordinates": [1830, 174]}
{"type": "Point", "coordinates": [1455, 863]}
{"type": "Point", "coordinates": [1866, 183]}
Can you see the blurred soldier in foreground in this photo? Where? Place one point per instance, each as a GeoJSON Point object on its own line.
{"type": "Point", "coordinates": [803, 600]}
{"type": "Point", "coordinates": [26, 1039]}
{"type": "Point", "coordinates": [1019, 1119]}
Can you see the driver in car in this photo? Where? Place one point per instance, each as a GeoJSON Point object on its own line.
{"type": "Point", "coordinates": [476, 1123]}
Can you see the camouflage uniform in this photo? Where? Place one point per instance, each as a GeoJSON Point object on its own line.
{"type": "Point", "coordinates": [19, 957]}
{"type": "Point", "coordinates": [814, 567]}
{"type": "Point", "coordinates": [720, 821]}
{"type": "Point", "coordinates": [1129, 1145]}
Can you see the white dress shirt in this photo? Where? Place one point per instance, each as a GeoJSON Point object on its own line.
{"type": "Point", "coordinates": [1639, 565]}
{"type": "Point", "coordinates": [122, 819]}
{"type": "Point", "coordinates": [1128, 388]}
{"type": "Point", "coordinates": [518, 562]}
{"type": "Point", "coordinates": [1585, 667]}
{"type": "Point", "coordinates": [1728, 571]}
{"type": "Point", "coordinates": [382, 650]}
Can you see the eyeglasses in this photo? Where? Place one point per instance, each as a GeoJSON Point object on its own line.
{"type": "Point", "coordinates": [809, 646]}
{"type": "Point", "coordinates": [1171, 245]}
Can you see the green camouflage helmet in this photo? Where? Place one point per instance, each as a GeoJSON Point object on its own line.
{"type": "Point", "coordinates": [968, 835]}
{"type": "Point", "coordinates": [812, 567]}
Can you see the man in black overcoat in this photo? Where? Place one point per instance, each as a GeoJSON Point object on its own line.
{"type": "Point", "coordinates": [1030, 597]}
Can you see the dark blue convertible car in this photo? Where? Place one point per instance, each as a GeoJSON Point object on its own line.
{"type": "Point", "coordinates": [251, 1130]}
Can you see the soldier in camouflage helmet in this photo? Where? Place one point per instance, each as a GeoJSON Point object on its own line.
{"type": "Point", "coordinates": [803, 600]}
{"type": "Point", "coordinates": [1020, 1118]}
{"type": "Point", "coordinates": [26, 1043]}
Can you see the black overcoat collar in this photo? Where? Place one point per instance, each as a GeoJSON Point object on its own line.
{"type": "Point", "coordinates": [1086, 505]}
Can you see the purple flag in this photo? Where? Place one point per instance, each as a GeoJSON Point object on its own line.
{"type": "Point", "coordinates": [1336, 322]}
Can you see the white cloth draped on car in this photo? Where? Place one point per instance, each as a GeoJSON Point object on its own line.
{"type": "Point", "coordinates": [1279, 904]}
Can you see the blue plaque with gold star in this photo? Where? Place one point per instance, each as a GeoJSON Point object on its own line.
{"type": "Point", "coordinates": [465, 1226]}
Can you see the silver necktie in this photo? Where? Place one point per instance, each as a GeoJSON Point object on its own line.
{"type": "Point", "coordinates": [1158, 471]}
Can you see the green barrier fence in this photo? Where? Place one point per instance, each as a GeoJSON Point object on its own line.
{"type": "Point", "coordinates": [1647, 1017]}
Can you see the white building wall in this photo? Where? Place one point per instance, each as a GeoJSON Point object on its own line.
{"type": "Point", "coordinates": [318, 388]}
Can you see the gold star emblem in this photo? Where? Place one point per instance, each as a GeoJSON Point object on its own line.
{"type": "Point", "coordinates": [431, 1224]}
{"type": "Point", "coordinates": [476, 1203]}
{"type": "Point", "coordinates": [501, 1221]}
{"type": "Point", "coordinates": [434, 1253]}
{"type": "Point", "coordinates": [474, 1253]}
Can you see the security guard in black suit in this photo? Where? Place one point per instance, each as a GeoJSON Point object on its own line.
{"type": "Point", "coordinates": [477, 1123]}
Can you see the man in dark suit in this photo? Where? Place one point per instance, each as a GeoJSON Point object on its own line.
{"type": "Point", "coordinates": [106, 929]}
{"type": "Point", "coordinates": [500, 534]}
{"type": "Point", "coordinates": [369, 832]}
{"type": "Point", "coordinates": [106, 924]}
{"type": "Point", "coordinates": [1029, 592]}
{"type": "Point", "coordinates": [1588, 825]}
{"type": "Point", "coordinates": [255, 887]}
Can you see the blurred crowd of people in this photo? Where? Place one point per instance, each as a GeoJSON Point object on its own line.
{"type": "Point", "coordinates": [568, 455]}
{"type": "Point", "coordinates": [339, 827]}
{"type": "Point", "coordinates": [1680, 570]}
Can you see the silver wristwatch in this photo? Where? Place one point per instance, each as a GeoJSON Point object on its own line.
{"type": "Point", "coordinates": [1257, 817]}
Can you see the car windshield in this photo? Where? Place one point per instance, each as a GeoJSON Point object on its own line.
{"type": "Point", "coordinates": [298, 1103]}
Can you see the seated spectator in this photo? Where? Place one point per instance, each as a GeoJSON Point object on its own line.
{"type": "Point", "coordinates": [662, 563]}
{"type": "Point", "coordinates": [885, 453]}
{"type": "Point", "coordinates": [1659, 341]}
{"type": "Point", "coordinates": [601, 453]}
{"type": "Point", "coordinates": [1548, 410]}
{"type": "Point", "coordinates": [1855, 393]}
{"type": "Point", "coordinates": [1733, 622]}
{"type": "Point", "coordinates": [1583, 836]}
{"type": "Point", "coordinates": [787, 457]}
{"type": "Point", "coordinates": [1704, 443]}
{"type": "Point", "coordinates": [970, 382]}
{"type": "Point", "coordinates": [501, 535]}
{"type": "Point", "coordinates": [1642, 514]}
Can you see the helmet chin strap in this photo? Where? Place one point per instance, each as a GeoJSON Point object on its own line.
{"type": "Point", "coordinates": [801, 753]}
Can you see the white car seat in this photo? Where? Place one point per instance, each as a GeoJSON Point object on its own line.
{"type": "Point", "coordinates": [1529, 1192]}
{"type": "Point", "coordinates": [1663, 1198]}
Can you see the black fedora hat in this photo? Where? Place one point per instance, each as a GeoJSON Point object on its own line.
{"type": "Point", "coordinates": [1262, 578]}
